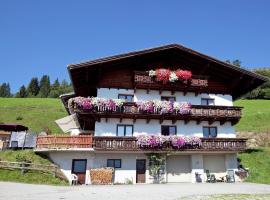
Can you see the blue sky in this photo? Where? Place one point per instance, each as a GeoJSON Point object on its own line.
{"type": "Point", "coordinates": [43, 37]}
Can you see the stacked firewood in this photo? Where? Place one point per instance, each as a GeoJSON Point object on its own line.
{"type": "Point", "coordinates": [102, 175]}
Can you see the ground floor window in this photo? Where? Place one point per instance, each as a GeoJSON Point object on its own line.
{"type": "Point", "coordinates": [78, 165]}
{"type": "Point", "coordinates": [209, 132]}
{"type": "Point", "coordinates": [168, 130]}
{"type": "Point", "coordinates": [115, 163]}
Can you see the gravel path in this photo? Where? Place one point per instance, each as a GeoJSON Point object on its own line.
{"type": "Point", "coordinates": [15, 191]}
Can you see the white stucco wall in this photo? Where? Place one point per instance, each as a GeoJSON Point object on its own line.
{"type": "Point", "coordinates": [221, 100]}
{"type": "Point", "coordinates": [108, 128]}
{"type": "Point", "coordinates": [179, 168]}
{"type": "Point", "coordinates": [94, 160]}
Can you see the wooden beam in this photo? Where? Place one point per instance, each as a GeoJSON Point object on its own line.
{"type": "Point", "coordinates": [186, 121]}
{"type": "Point", "coordinates": [202, 71]}
{"type": "Point", "coordinates": [134, 119]}
{"type": "Point", "coordinates": [236, 81]}
{"type": "Point", "coordinates": [210, 122]}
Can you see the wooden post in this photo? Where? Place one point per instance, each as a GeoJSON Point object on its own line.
{"type": "Point", "coordinates": [22, 168]}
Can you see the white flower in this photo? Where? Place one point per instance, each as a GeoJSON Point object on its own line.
{"type": "Point", "coordinates": [173, 77]}
{"type": "Point", "coordinates": [152, 73]}
{"type": "Point", "coordinates": [119, 102]}
{"type": "Point", "coordinates": [157, 103]}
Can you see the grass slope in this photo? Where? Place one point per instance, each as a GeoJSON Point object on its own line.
{"type": "Point", "coordinates": [36, 113]}
{"type": "Point", "coordinates": [255, 115]}
{"type": "Point", "coordinates": [30, 176]}
{"type": "Point", "coordinates": [258, 162]}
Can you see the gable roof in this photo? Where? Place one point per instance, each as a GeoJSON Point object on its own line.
{"type": "Point", "coordinates": [256, 79]}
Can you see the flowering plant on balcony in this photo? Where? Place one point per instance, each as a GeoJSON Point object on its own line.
{"type": "Point", "coordinates": [166, 75]}
{"type": "Point", "coordinates": [91, 103]}
{"type": "Point", "coordinates": [182, 107]}
{"type": "Point", "coordinates": [177, 141]}
{"type": "Point", "coordinates": [163, 107]}
{"type": "Point", "coordinates": [163, 75]}
{"type": "Point", "coordinates": [183, 74]}
{"type": "Point", "coordinates": [193, 141]}
{"type": "Point", "coordinates": [159, 141]}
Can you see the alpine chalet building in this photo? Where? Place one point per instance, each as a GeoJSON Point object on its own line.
{"type": "Point", "coordinates": [169, 102]}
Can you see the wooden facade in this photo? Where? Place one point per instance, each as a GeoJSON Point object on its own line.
{"type": "Point", "coordinates": [118, 71]}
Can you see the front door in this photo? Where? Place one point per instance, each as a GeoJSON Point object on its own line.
{"type": "Point", "coordinates": [140, 170]}
{"type": "Point", "coordinates": [79, 168]}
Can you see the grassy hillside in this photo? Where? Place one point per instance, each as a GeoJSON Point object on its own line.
{"type": "Point", "coordinates": [255, 116]}
{"type": "Point", "coordinates": [258, 162]}
{"type": "Point", "coordinates": [36, 113]}
{"type": "Point", "coordinates": [30, 176]}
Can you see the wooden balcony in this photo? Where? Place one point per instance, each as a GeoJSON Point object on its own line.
{"type": "Point", "coordinates": [143, 81]}
{"type": "Point", "coordinates": [102, 143]}
{"type": "Point", "coordinates": [64, 142]}
{"type": "Point", "coordinates": [198, 113]}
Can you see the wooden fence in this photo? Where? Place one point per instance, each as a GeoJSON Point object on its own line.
{"type": "Point", "coordinates": [25, 166]}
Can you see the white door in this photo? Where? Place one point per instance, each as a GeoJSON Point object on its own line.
{"type": "Point", "coordinates": [178, 168]}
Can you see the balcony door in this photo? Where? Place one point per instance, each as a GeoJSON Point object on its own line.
{"type": "Point", "coordinates": [79, 169]}
{"type": "Point", "coordinates": [140, 170]}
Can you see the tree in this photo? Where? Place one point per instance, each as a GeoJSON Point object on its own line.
{"type": "Point", "coordinates": [235, 62]}
{"type": "Point", "coordinates": [22, 93]}
{"type": "Point", "coordinates": [33, 87]}
{"type": "Point", "coordinates": [44, 86]}
{"type": "Point", "coordinates": [55, 89]}
{"type": "Point", "coordinates": [5, 90]}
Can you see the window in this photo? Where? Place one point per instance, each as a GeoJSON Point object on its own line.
{"type": "Point", "coordinates": [207, 102]}
{"type": "Point", "coordinates": [209, 132]}
{"type": "Point", "coordinates": [124, 130]}
{"type": "Point", "coordinates": [127, 97]}
{"type": "Point", "coordinates": [79, 166]}
{"type": "Point", "coordinates": [168, 130]}
{"type": "Point", "coordinates": [115, 163]}
{"type": "Point", "coordinates": [168, 98]}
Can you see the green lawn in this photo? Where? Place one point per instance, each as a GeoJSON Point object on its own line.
{"type": "Point", "coordinates": [255, 115]}
{"type": "Point", "coordinates": [258, 162]}
{"type": "Point", "coordinates": [36, 113]}
{"type": "Point", "coordinates": [36, 177]}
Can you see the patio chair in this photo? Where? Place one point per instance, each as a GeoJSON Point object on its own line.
{"type": "Point", "coordinates": [74, 179]}
{"type": "Point", "coordinates": [210, 178]}
{"type": "Point", "coordinates": [230, 176]}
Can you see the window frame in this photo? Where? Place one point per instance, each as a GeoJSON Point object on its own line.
{"type": "Point", "coordinates": [209, 131]}
{"type": "Point", "coordinates": [207, 100]}
{"type": "Point", "coordinates": [73, 165]}
{"type": "Point", "coordinates": [114, 163]}
{"type": "Point", "coordinates": [125, 125]}
{"type": "Point", "coordinates": [169, 129]}
{"type": "Point", "coordinates": [126, 97]}
{"type": "Point", "coordinates": [174, 98]}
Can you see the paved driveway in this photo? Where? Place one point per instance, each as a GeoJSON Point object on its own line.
{"type": "Point", "coordinates": [16, 191]}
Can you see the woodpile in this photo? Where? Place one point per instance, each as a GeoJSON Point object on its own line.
{"type": "Point", "coordinates": [102, 176]}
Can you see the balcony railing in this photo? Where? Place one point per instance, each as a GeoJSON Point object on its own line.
{"type": "Point", "coordinates": [103, 143]}
{"type": "Point", "coordinates": [64, 142]}
{"type": "Point", "coordinates": [142, 77]}
{"type": "Point", "coordinates": [197, 112]}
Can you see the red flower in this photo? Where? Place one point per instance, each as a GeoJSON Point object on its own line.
{"type": "Point", "coordinates": [163, 75]}
{"type": "Point", "coordinates": [183, 74]}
